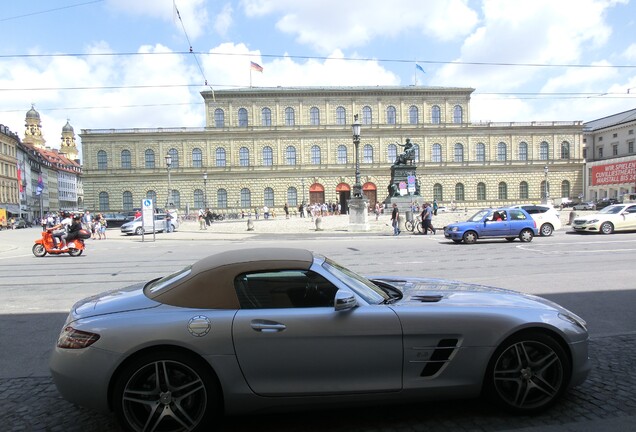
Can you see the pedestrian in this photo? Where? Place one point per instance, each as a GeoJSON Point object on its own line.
{"type": "Point", "coordinates": [427, 219]}
{"type": "Point", "coordinates": [395, 219]}
{"type": "Point", "coordinates": [286, 208]}
{"type": "Point", "coordinates": [102, 227]}
{"type": "Point", "coordinates": [87, 220]}
{"type": "Point", "coordinates": [201, 219]}
{"type": "Point", "coordinates": [377, 210]}
{"type": "Point", "coordinates": [435, 206]}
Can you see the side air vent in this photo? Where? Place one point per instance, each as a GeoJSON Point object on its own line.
{"type": "Point", "coordinates": [427, 298]}
{"type": "Point", "coordinates": [440, 356]}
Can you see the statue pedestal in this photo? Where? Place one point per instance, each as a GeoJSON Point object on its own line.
{"type": "Point", "coordinates": [358, 214]}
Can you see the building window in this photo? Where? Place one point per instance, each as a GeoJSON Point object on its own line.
{"type": "Point", "coordinates": [315, 155]}
{"type": "Point", "coordinates": [152, 195]}
{"type": "Point", "coordinates": [584, 153]}
{"type": "Point", "coordinates": [220, 157]}
{"type": "Point", "coordinates": [221, 198]}
{"type": "Point", "coordinates": [615, 150]}
{"type": "Point", "coordinates": [615, 135]}
{"type": "Point", "coordinates": [459, 192]}
{"type": "Point", "coordinates": [630, 147]}
{"type": "Point", "coordinates": [523, 151]}
{"type": "Point", "coordinates": [502, 152]}
{"type": "Point", "coordinates": [416, 152]}
{"type": "Point", "coordinates": [314, 116]}
{"type": "Point", "coordinates": [219, 118]}
{"type": "Point", "coordinates": [268, 156]}
{"type": "Point", "coordinates": [367, 115]}
{"type": "Point", "coordinates": [268, 196]}
{"type": "Point", "coordinates": [342, 154]}
{"type": "Point", "coordinates": [174, 155]}
{"type": "Point", "coordinates": [630, 132]}
{"type": "Point", "coordinates": [565, 150]}
{"type": "Point", "coordinates": [503, 191]}
{"type": "Point", "coordinates": [127, 201]}
{"type": "Point", "coordinates": [290, 117]}
{"type": "Point", "coordinates": [543, 151]}
{"type": "Point", "coordinates": [197, 158]}
{"type": "Point", "coordinates": [292, 196]}
{"type": "Point", "coordinates": [290, 155]}
{"type": "Point", "coordinates": [266, 117]}
{"type": "Point", "coordinates": [198, 199]}
{"type": "Point", "coordinates": [543, 189]}
{"type": "Point", "coordinates": [413, 115]}
{"type": "Point", "coordinates": [367, 154]}
{"type": "Point", "coordinates": [565, 189]}
{"type": "Point", "coordinates": [102, 160]}
{"type": "Point", "coordinates": [437, 192]}
{"type": "Point", "coordinates": [390, 115]}
{"type": "Point", "coordinates": [244, 157]}
{"type": "Point", "coordinates": [341, 116]}
{"type": "Point", "coordinates": [600, 152]}
{"type": "Point", "coordinates": [242, 117]}
{"type": "Point", "coordinates": [126, 161]}
{"type": "Point", "coordinates": [481, 191]}
{"type": "Point", "coordinates": [523, 190]}
{"type": "Point", "coordinates": [391, 153]}
{"type": "Point", "coordinates": [480, 152]}
{"type": "Point", "coordinates": [436, 153]}
{"type": "Point", "coordinates": [103, 201]}
{"type": "Point", "coordinates": [458, 114]}
{"type": "Point", "coordinates": [459, 152]}
{"type": "Point", "coordinates": [175, 199]}
{"type": "Point", "coordinates": [436, 115]}
{"type": "Point", "coordinates": [246, 198]}
{"type": "Point", "coordinates": [149, 158]}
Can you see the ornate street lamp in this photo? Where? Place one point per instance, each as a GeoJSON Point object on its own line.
{"type": "Point", "coordinates": [168, 164]}
{"type": "Point", "coordinates": [205, 190]}
{"type": "Point", "coordinates": [357, 187]}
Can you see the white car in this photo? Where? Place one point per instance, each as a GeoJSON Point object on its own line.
{"type": "Point", "coordinates": [587, 205]}
{"type": "Point", "coordinates": [547, 218]}
{"type": "Point", "coordinates": [617, 217]}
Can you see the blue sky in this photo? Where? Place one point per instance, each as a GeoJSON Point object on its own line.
{"type": "Point", "coordinates": [126, 63]}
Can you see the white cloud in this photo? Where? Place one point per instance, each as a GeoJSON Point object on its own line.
{"type": "Point", "coordinates": [223, 20]}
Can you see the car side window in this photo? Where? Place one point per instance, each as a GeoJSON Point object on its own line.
{"type": "Point", "coordinates": [631, 209]}
{"type": "Point", "coordinates": [517, 215]}
{"type": "Point", "coordinates": [284, 289]}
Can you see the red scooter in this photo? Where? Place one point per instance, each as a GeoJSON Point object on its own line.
{"type": "Point", "coordinates": [46, 245]}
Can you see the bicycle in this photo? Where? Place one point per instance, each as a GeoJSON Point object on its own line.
{"type": "Point", "coordinates": [412, 225]}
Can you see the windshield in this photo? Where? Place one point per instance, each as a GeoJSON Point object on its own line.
{"type": "Point", "coordinates": [613, 209]}
{"type": "Point", "coordinates": [477, 217]}
{"type": "Point", "coordinates": [366, 289]}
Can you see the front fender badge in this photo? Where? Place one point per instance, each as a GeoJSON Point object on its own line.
{"type": "Point", "coordinates": [199, 326]}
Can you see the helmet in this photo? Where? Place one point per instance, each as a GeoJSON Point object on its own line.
{"type": "Point", "coordinates": [77, 217]}
{"type": "Point", "coordinates": [66, 214]}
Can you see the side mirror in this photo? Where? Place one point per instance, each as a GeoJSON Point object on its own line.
{"type": "Point", "coordinates": [344, 300]}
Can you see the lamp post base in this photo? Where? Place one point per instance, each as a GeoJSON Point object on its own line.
{"type": "Point", "coordinates": [358, 214]}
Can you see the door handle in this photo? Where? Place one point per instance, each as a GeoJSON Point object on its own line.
{"type": "Point", "coordinates": [267, 326]}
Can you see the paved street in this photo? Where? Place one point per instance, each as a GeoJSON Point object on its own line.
{"type": "Point", "coordinates": [589, 274]}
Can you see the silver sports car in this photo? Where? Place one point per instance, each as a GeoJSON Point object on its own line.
{"type": "Point", "coordinates": [253, 329]}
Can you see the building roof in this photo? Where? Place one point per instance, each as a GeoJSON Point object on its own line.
{"type": "Point", "coordinates": [609, 121]}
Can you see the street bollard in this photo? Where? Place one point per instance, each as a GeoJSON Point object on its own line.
{"type": "Point", "coordinates": [250, 224]}
{"type": "Point", "coordinates": [319, 223]}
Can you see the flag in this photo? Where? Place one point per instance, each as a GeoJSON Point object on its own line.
{"type": "Point", "coordinates": [256, 67]}
{"type": "Point", "coordinates": [40, 188]}
{"type": "Point", "coordinates": [419, 67]}
{"type": "Point", "coordinates": [20, 180]}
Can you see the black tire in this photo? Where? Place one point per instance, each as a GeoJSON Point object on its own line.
{"type": "Point", "coordinates": [420, 227]}
{"type": "Point", "coordinates": [409, 226]}
{"type": "Point", "coordinates": [607, 228]}
{"type": "Point", "coordinates": [38, 250]}
{"type": "Point", "coordinates": [470, 237]}
{"type": "Point", "coordinates": [169, 390]}
{"type": "Point", "coordinates": [139, 231]}
{"type": "Point", "coordinates": [75, 252]}
{"type": "Point", "coordinates": [546, 230]}
{"type": "Point", "coordinates": [527, 373]}
{"type": "Point", "coordinates": [526, 235]}
{"type": "Point", "coordinates": [510, 239]}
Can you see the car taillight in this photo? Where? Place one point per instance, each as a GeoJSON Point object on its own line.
{"type": "Point", "coordinates": [71, 338]}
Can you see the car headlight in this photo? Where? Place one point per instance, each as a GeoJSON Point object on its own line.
{"type": "Point", "coordinates": [592, 221]}
{"type": "Point", "coordinates": [573, 319]}
{"type": "Point", "coordinates": [454, 229]}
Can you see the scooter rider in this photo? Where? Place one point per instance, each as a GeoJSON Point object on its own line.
{"type": "Point", "coordinates": [60, 230]}
{"type": "Point", "coordinates": [74, 228]}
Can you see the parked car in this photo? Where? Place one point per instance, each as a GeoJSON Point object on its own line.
{"type": "Point", "coordinates": [604, 202]}
{"type": "Point", "coordinates": [508, 223]}
{"type": "Point", "coordinates": [548, 219]}
{"type": "Point", "coordinates": [21, 223]}
{"type": "Point", "coordinates": [262, 329]}
{"type": "Point", "coordinates": [117, 219]}
{"type": "Point", "coordinates": [617, 217]}
{"type": "Point", "coordinates": [161, 224]}
{"type": "Point", "coordinates": [586, 205]}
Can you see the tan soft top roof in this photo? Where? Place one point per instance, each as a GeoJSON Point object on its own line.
{"type": "Point", "coordinates": [210, 285]}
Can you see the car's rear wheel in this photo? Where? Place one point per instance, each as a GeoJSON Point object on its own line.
{"type": "Point", "coordinates": [470, 237]}
{"type": "Point", "coordinates": [607, 228]}
{"type": "Point", "coordinates": [546, 229]}
{"type": "Point", "coordinates": [166, 391]}
{"type": "Point", "coordinates": [528, 373]}
{"type": "Point", "coordinates": [139, 231]}
{"type": "Point", "coordinates": [526, 235]}
{"type": "Point", "coordinates": [510, 239]}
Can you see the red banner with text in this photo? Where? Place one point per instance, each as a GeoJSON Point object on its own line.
{"type": "Point", "coordinates": [616, 173]}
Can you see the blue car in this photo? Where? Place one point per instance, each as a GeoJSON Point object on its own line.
{"type": "Point", "coordinates": [508, 223]}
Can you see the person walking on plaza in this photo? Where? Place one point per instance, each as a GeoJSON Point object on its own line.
{"type": "Point", "coordinates": [286, 211]}
{"type": "Point", "coordinates": [427, 219]}
{"type": "Point", "coordinates": [435, 206]}
{"type": "Point", "coordinates": [377, 210]}
{"type": "Point", "coordinates": [395, 220]}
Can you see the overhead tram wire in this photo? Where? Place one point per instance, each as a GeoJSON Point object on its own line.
{"type": "Point", "coordinates": [49, 10]}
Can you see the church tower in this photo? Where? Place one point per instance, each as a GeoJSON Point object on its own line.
{"type": "Point", "coordinates": [33, 129]}
{"type": "Point", "coordinates": [68, 146]}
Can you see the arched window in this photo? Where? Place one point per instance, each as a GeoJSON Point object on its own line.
{"type": "Point", "coordinates": [266, 117]}
{"type": "Point", "coordinates": [126, 161]}
{"type": "Point", "coordinates": [268, 156]}
{"type": "Point", "coordinates": [481, 191]}
{"type": "Point", "coordinates": [544, 189]}
{"type": "Point", "coordinates": [459, 152]}
{"type": "Point", "coordinates": [416, 152]}
{"type": "Point", "coordinates": [502, 152]}
{"type": "Point", "coordinates": [523, 190]}
{"type": "Point", "coordinates": [367, 116]}
{"type": "Point", "coordinates": [436, 115]}
{"type": "Point", "coordinates": [523, 151]}
{"type": "Point", "coordinates": [342, 154]}
{"type": "Point", "coordinates": [292, 196]}
{"type": "Point", "coordinates": [459, 192]}
{"type": "Point", "coordinates": [314, 116]}
{"type": "Point", "coordinates": [390, 115]}
{"type": "Point", "coordinates": [198, 199]}
{"type": "Point", "coordinates": [219, 118]}
{"type": "Point", "coordinates": [565, 151]}
{"type": "Point", "coordinates": [220, 157]}
{"type": "Point", "coordinates": [102, 160]}
{"type": "Point", "coordinates": [103, 201]}
{"type": "Point", "coordinates": [436, 153]}
{"type": "Point", "coordinates": [221, 198]}
{"type": "Point", "coordinates": [127, 201]}
{"type": "Point", "coordinates": [414, 115]}
{"type": "Point", "coordinates": [290, 155]}
{"type": "Point", "coordinates": [290, 117]}
{"type": "Point", "coordinates": [565, 189]}
{"type": "Point", "coordinates": [503, 190]}
{"type": "Point", "coordinates": [341, 116]}
{"type": "Point", "coordinates": [268, 197]}
{"type": "Point", "coordinates": [437, 192]}
{"type": "Point", "coordinates": [152, 195]}
{"type": "Point", "coordinates": [315, 155]}
{"type": "Point", "coordinates": [391, 154]}
{"type": "Point", "coordinates": [246, 198]}
{"type": "Point", "coordinates": [242, 117]}
{"type": "Point", "coordinates": [244, 157]}
{"type": "Point", "coordinates": [458, 114]}
{"type": "Point", "coordinates": [480, 152]}
{"type": "Point", "coordinates": [174, 155]}
{"type": "Point", "coordinates": [149, 158]}
{"type": "Point", "coordinates": [197, 158]}
{"type": "Point", "coordinates": [367, 154]}
{"type": "Point", "coordinates": [544, 151]}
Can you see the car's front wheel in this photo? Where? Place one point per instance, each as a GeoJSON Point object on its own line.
{"type": "Point", "coordinates": [528, 373]}
{"type": "Point", "coordinates": [546, 229]}
{"type": "Point", "coordinates": [139, 231]}
{"type": "Point", "coordinates": [607, 228]}
{"type": "Point", "coordinates": [166, 391]}
{"type": "Point", "coordinates": [470, 237]}
{"type": "Point", "coordinates": [526, 235]}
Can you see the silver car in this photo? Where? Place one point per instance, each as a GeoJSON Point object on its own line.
{"type": "Point", "coordinates": [162, 224]}
{"type": "Point", "coordinates": [256, 329]}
